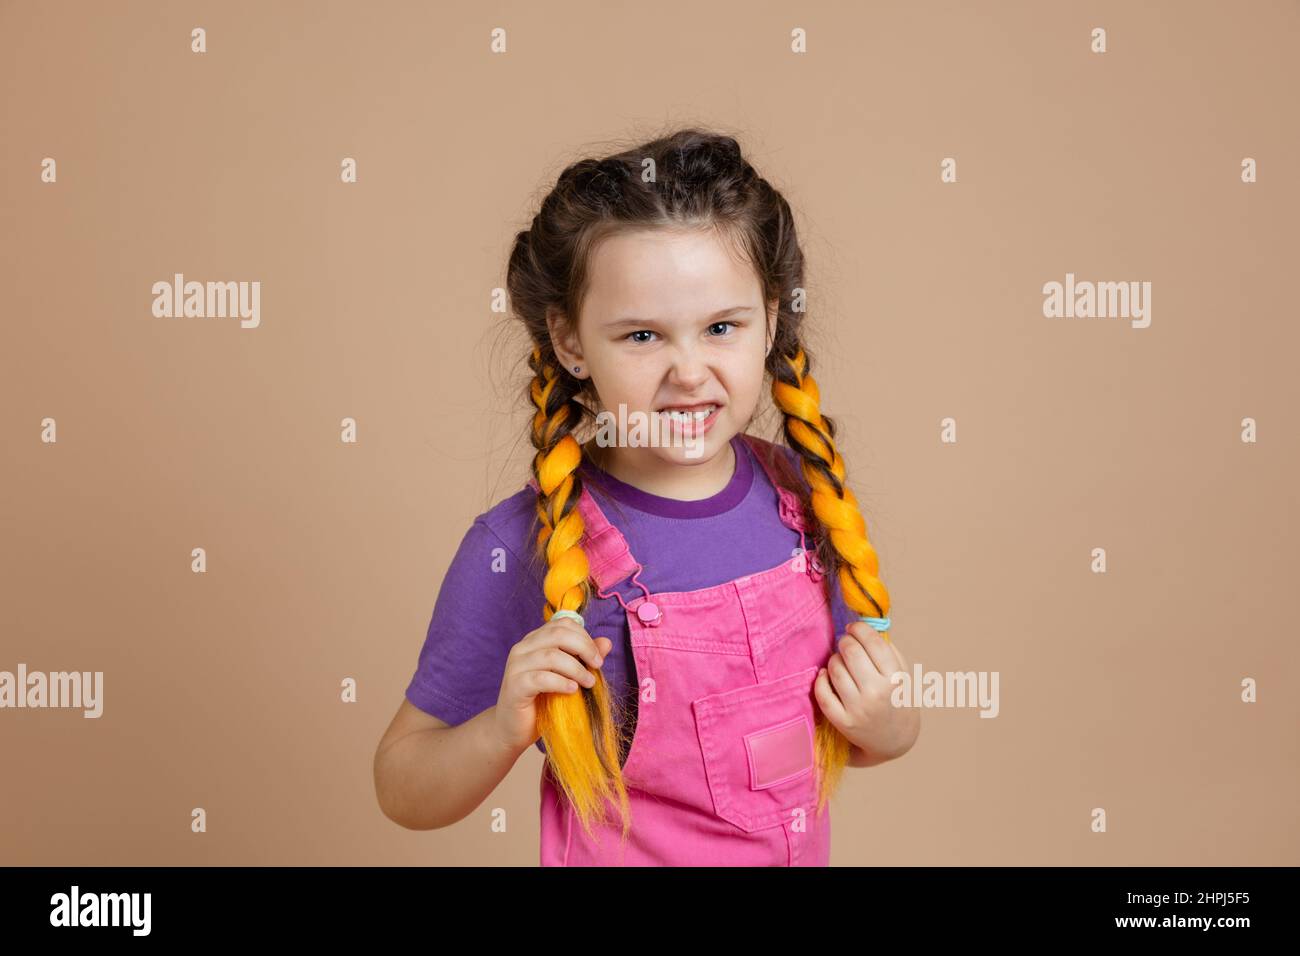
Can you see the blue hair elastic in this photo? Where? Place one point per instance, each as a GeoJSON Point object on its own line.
{"type": "Point", "coordinates": [879, 623]}
{"type": "Point", "coordinates": [573, 614]}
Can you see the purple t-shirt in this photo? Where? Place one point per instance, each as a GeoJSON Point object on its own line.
{"type": "Point", "coordinates": [492, 593]}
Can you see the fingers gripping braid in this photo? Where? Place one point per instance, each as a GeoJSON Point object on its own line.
{"type": "Point", "coordinates": [836, 510]}
{"type": "Point", "coordinates": [578, 729]}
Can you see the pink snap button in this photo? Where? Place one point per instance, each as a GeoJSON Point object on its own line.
{"type": "Point", "coordinates": [648, 612]}
{"type": "Point", "coordinates": [792, 513]}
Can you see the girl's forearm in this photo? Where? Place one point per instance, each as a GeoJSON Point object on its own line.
{"type": "Point", "coordinates": [434, 778]}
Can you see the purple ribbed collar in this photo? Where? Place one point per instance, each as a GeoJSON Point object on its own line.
{"type": "Point", "coordinates": [742, 480]}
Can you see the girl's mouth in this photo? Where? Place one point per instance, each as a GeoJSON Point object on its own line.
{"type": "Point", "coordinates": [694, 420]}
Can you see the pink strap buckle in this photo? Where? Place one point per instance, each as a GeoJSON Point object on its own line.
{"type": "Point", "coordinates": [790, 511]}
{"type": "Point", "coordinates": [647, 611]}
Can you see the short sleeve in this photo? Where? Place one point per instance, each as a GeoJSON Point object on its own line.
{"type": "Point", "coordinates": [842, 614]}
{"type": "Point", "coordinates": [488, 601]}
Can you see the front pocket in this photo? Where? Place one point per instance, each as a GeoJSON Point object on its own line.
{"type": "Point", "coordinates": [758, 748]}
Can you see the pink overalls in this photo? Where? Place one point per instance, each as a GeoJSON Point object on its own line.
{"type": "Point", "coordinates": [721, 769]}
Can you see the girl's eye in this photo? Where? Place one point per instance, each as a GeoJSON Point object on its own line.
{"type": "Point", "coordinates": [715, 325]}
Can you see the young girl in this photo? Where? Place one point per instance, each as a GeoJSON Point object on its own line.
{"type": "Point", "coordinates": [708, 723]}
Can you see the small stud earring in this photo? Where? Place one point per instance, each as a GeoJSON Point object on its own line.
{"type": "Point", "coordinates": [577, 367]}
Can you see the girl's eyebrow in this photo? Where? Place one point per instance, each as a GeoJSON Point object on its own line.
{"type": "Point", "coordinates": [629, 322]}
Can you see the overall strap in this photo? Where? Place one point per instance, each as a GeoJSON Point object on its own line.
{"type": "Point", "coordinates": [609, 558]}
{"type": "Point", "coordinates": [791, 509]}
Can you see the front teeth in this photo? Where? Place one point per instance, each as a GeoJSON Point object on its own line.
{"type": "Point", "coordinates": [685, 417]}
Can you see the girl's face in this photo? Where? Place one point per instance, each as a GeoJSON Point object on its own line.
{"type": "Point", "coordinates": [672, 318]}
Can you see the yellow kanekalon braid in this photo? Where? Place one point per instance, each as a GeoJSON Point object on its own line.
{"type": "Point", "coordinates": [585, 762]}
{"type": "Point", "coordinates": [837, 511]}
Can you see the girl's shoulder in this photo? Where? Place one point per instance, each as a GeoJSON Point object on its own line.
{"type": "Point", "coordinates": [785, 461]}
{"type": "Point", "coordinates": [511, 512]}
{"type": "Point", "coordinates": [507, 529]}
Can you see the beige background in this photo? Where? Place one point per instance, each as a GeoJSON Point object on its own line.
{"type": "Point", "coordinates": [1118, 691]}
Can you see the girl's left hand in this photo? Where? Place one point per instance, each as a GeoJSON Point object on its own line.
{"type": "Point", "coordinates": [854, 692]}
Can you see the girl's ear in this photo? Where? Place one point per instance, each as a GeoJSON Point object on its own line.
{"type": "Point", "coordinates": [564, 340]}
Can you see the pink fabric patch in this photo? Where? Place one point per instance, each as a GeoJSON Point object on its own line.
{"type": "Point", "coordinates": [779, 753]}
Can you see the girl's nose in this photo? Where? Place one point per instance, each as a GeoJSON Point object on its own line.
{"type": "Point", "coordinates": [688, 370]}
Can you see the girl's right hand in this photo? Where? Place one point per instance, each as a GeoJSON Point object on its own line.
{"type": "Point", "coordinates": [550, 660]}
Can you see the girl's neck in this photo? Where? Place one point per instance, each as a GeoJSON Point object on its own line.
{"type": "Point", "coordinates": [639, 468]}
